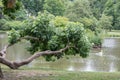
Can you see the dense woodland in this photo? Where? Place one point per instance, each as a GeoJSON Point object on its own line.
{"type": "Point", "coordinates": [70, 27]}
{"type": "Point", "coordinates": [89, 12]}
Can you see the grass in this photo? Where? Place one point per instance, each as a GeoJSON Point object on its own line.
{"type": "Point", "coordinates": [2, 31]}
{"type": "Point", "coordinates": [59, 75]}
{"type": "Point", "coordinates": [113, 33]}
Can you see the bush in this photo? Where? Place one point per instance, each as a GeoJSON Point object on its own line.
{"type": "Point", "coordinates": [95, 39]}
{"type": "Point", "coordinates": [51, 36]}
{"type": "Point", "coordinates": [8, 25]}
{"type": "Point", "coordinates": [2, 22]}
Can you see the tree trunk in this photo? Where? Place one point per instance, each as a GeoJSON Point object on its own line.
{"type": "Point", "coordinates": [1, 74]}
{"type": "Point", "coordinates": [11, 3]}
{"type": "Point", "coordinates": [16, 64]}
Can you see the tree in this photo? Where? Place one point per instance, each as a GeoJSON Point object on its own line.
{"type": "Point", "coordinates": [78, 9]}
{"type": "Point", "coordinates": [10, 7]}
{"type": "Point", "coordinates": [90, 23]}
{"type": "Point", "coordinates": [55, 7]}
{"type": "Point", "coordinates": [49, 38]}
{"type": "Point", "coordinates": [33, 6]}
{"type": "Point", "coordinates": [112, 8]}
{"type": "Point", "coordinates": [97, 7]}
{"type": "Point", "coordinates": [105, 22]}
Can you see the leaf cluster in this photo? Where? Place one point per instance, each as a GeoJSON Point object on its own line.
{"type": "Point", "coordinates": [52, 37]}
{"type": "Point", "coordinates": [10, 9]}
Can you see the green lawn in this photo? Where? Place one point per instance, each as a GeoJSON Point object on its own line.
{"type": "Point", "coordinates": [113, 33]}
{"type": "Point", "coordinates": [58, 75]}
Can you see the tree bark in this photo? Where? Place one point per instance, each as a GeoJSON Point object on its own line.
{"type": "Point", "coordinates": [16, 65]}
{"type": "Point", "coordinates": [11, 3]}
{"type": "Point", "coordinates": [1, 73]}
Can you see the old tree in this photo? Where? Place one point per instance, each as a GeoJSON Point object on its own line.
{"type": "Point", "coordinates": [51, 37]}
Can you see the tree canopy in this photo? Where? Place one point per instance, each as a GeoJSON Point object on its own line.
{"type": "Point", "coordinates": [52, 37]}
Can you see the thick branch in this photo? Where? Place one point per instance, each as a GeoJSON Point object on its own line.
{"type": "Point", "coordinates": [16, 65]}
{"type": "Point", "coordinates": [30, 37]}
{"type": "Point", "coordinates": [3, 52]}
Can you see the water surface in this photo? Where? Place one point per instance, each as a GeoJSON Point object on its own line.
{"type": "Point", "coordinates": [105, 59]}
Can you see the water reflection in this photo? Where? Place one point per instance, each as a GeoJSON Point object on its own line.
{"type": "Point", "coordinates": [105, 59]}
{"type": "Point", "coordinates": [71, 68]}
{"type": "Point", "coordinates": [109, 42]}
{"type": "Point", "coordinates": [100, 53]}
{"type": "Point", "coordinates": [89, 66]}
{"type": "Point", "coordinates": [112, 67]}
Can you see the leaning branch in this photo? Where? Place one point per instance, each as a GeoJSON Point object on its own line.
{"type": "Point", "coordinates": [3, 51]}
{"type": "Point", "coordinates": [16, 65]}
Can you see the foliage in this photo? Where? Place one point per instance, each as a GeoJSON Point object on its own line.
{"type": "Point", "coordinates": [1, 3]}
{"type": "Point", "coordinates": [55, 7]}
{"type": "Point", "coordinates": [90, 13]}
{"type": "Point", "coordinates": [52, 37]}
{"type": "Point", "coordinates": [95, 38]}
{"type": "Point", "coordinates": [97, 7]}
{"type": "Point", "coordinates": [33, 6]}
{"type": "Point", "coordinates": [20, 15]}
{"type": "Point", "coordinates": [13, 36]}
{"type": "Point", "coordinates": [78, 9]}
{"type": "Point", "coordinates": [2, 22]}
{"type": "Point", "coordinates": [60, 21]}
{"type": "Point", "coordinates": [8, 25]}
{"type": "Point", "coordinates": [56, 32]}
{"type": "Point", "coordinates": [90, 23]}
{"type": "Point", "coordinates": [10, 7]}
{"type": "Point", "coordinates": [112, 8]}
{"type": "Point", "coordinates": [105, 22]}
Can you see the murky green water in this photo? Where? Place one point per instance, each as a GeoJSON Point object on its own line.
{"type": "Point", "coordinates": [105, 59]}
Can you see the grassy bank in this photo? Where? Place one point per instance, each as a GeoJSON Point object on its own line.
{"type": "Point", "coordinates": [2, 32]}
{"type": "Point", "coordinates": [113, 33]}
{"type": "Point", "coordinates": [58, 75]}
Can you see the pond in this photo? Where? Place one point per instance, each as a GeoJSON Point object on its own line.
{"type": "Point", "coordinates": [105, 59]}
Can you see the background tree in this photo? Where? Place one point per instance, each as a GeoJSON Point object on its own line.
{"type": "Point", "coordinates": [105, 22]}
{"type": "Point", "coordinates": [33, 6]}
{"type": "Point", "coordinates": [112, 8]}
{"type": "Point", "coordinates": [55, 7]}
{"type": "Point", "coordinates": [97, 7]}
{"type": "Point", "coordinates": [83, 11]}
{"type": "Point", "coordinates": [78, 9]}
{"type": "Point", "coordinates": [10, 7]}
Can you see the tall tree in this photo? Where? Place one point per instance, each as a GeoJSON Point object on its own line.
{"type": "Point", "coordinates": [55, 7]}
{"type": "Point", "coordinates": [97, 7]}
{"type": "Point", "coordinates": [112, 8]}
{"type": "Point", "coordinates": [78, 9]}
{"type": "Point", "coordinates": [105, 22]}
{"type": "Point", "coordinates": [10, 7]}
{"type": "Point", "coordinates": [33, 6]}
